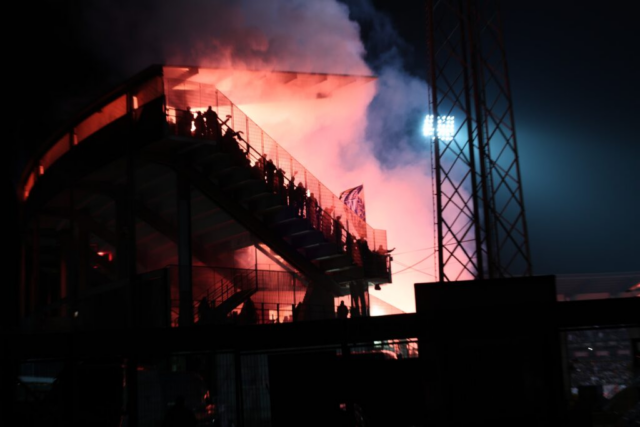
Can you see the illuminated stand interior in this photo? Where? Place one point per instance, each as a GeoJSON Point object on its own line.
{"type": "Point", "coordinates": [122, 196]}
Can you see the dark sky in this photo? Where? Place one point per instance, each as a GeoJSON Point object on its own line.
{"type": "Point", "coordinates": [573, 70]}
{"type": "Point", "coordinates": [574, 74]}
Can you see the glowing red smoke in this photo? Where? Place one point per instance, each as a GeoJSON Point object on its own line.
{"type": "Point", "coordinates": [327, 133]}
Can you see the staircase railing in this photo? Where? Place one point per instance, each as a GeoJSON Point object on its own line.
{"type": "Point", "coordinates": [260, 147]}
{"type": "Point", "coordinates": [328, 221]}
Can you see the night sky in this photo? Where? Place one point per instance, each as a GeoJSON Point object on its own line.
{"type": "Point", "coordinates": [574, 74]}
{"type": "Point", "coordinates": [574, 77]}
{"type": "Point", "coordinates": [574, 70]}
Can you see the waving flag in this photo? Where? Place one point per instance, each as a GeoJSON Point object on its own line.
{"type": "Point", "coordinates": [354, 198]}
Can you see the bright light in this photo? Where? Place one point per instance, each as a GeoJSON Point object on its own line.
{"type": "Point", "coordinates": [590, 349]}
{"type": "Point", "coordinates": [446, 128]}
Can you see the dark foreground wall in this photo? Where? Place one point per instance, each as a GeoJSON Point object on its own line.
{"type": "Point", "coordinates": [490, 352]}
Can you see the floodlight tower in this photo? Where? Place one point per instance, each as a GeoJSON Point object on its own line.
{"type": "Point", "coordinates": [481, 225]}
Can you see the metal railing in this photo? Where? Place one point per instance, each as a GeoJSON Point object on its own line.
{"type": "Point", "coordinates": [212, 286]}
{"type": "Point", "coordinates": [329, 222]}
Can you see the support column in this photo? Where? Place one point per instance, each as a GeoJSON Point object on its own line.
{"type": "Point", "coordinates": [184, 250]}
{"type": "Point", "coordinates": [126, 252]}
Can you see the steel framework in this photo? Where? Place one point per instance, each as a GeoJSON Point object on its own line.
{"type": "Point", "coordinates": [481, 225]}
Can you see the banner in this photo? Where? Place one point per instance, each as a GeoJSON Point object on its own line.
{"type": "Point", "coordinates": [354, 198]}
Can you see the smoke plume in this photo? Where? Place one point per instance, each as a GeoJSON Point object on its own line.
{"type": "Point", "coordinates": [368, 134]}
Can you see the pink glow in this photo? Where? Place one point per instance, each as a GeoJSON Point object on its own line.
{"type": "Point", "coordinates": [327, 132]}
{"type": "Point", "coordinates": [325, 129]}
{"type": "Point", "coordinates": [327, 136]}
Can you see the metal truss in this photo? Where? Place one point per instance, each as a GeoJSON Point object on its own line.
{"type": "Point", "coordinates": [481, 225]}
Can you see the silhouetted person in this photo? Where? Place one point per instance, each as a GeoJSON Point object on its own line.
{"type": "Point", "coordinates": [179, 415]}
{"type": "Point", "coordinates": [355, 301]}
{"type": "Point", "coordinates": [380, 256]}
{"type": "Point", "coordinates": [248, 314]}
{"type": "Point", "coordinates": [291, 193]}
{"type": "Point", "coordinates": [239, 155]}
{"type": "Point", "coordinates": [361, 290]}
{"type": "Point", "coordinates": [213, 127]}
{"type": "Point", "coordinates": [300, 198]}
{"type": "Point", "coordinates": [365, 254]}
{"type": "Point", "coordinates": [261, 166]}
{"type": "Point", "coordinates": [279, 185]}
{"type": "Point", "coordinates": [246, 157]}
{"type": "Point", "coordinates": [337, 232]}
{"type": "Point", "coordinates": [203, 310]}
{"type": "Point", "coordinates": [342, 311]}
{"type": "Point", "coordinates": [349, 246]}
{"type": "Point", "coordinates": [270, 172]}
{"type": "Point", "coordinates": [312, 207]}
{"type": "Point", "coordinates": [184, 119]}
{"type": "Point", "coordinates": [199, 125]}
{"type": "Point", "coordinates": [230, 145]}
{"type": "Point", "coordinates": [326, 222]}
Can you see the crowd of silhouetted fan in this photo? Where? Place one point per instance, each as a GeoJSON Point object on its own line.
{"type": "Point", "coordinates": [304, 203]}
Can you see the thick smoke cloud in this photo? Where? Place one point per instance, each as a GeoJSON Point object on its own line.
{"type": "Point", "coordinates": [368, 135]}
{"type": "Point", "coordinates": [297, 35]}
{"type": "Point", "coordinates": [397, 111]}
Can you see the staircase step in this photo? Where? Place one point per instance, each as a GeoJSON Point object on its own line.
{"type": "Point", "coordinates": [320, 249]}
{"type": "Point", "coordinates": [271, 210]}
{"type": "Point", "coordinates": [292, 227]}
{"type": "Point", "coordinates": [302, 233]}
{"type": "Point", "coordinates": [279, 216]}
{"type": "Point", "coordinates": [330, 257]}
{"type": "Point", "coordinates": [332, 262]}
{"type": "Point", "coordinates": [263, 204]}
{"type": "Point", "coordinates": [238, 185]}
{"type": "Point", "coordinates": [343, 269]}
{"type": "Point", "coordinates": [239, 182]}
{"type": "Point", "coordinates": [287, 220]}
{"type": "Point", "coordinates": [212, 163]}
{"type": "Point", "coordinates": [306, 239]}
{"type": "Point", "coordinates": [248, 193]}
{"type": "Point", "coordinates": [196, 148]}
{"type": "Point", "coordinates": [346, 274]}
{"type": "Point", "coordinates": [233, 175]}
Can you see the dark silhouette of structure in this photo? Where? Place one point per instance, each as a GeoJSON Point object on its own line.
{"type": "Point", "coordinates": [179, 415]}
{"type": "Point", "coordinates": [481, 223]}
{"type": "Point", "coordinates": [144, 223]}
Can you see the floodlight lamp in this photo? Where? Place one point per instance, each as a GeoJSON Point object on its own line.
{"type": "Point", "coordinates": [445, 128]}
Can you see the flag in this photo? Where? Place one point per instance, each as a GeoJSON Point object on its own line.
{"type": "Point", "coordinates": [354, 198]}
